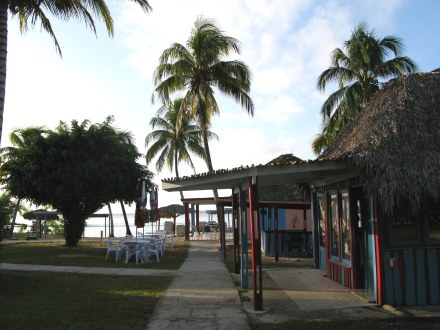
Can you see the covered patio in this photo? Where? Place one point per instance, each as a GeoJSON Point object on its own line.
{"type": "Point", "coordinates": [244, 183]}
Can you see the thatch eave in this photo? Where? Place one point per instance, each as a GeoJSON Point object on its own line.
{"type": "Point", "coordinates": [395, 141]}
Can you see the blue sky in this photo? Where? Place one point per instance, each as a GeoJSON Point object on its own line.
{"type": "Point", "coordinates": [285, 43]}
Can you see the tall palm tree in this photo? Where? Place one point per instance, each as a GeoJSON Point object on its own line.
{"type": "Point", "coordinates": [176, 135]}
{"type": "Point", "coordinates": [357, 68]}
{"type": "Point", "coordinates": [200, 67]}
{"type": "Point", "coordinates": [31, 11]}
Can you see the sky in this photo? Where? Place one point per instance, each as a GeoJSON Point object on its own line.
{"type": "Point", "coordinates": [286, 44]}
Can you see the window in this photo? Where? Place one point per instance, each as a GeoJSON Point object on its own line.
{"type": "Point", "coordinates": [322, 204]}
{"type": "Point", "coordinates": [403, 229]}
{"type": "Point", "coordinates": [345, 226]}
{"type": "Point", "coordinates": [334, 224]}
{"type": "Point", "coordinates": [434, 225]}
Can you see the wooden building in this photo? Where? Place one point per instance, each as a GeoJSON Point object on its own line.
{"type": "Point", "coordinates": [375, 195]}
{"type": "Point", "coordinates": [380, 231]}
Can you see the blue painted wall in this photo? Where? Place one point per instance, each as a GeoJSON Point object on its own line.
{"type": "Point", "coordinates": [414, 278]}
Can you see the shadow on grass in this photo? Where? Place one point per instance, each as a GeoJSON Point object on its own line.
{"type": "Point", "coordinates": [40, 300]}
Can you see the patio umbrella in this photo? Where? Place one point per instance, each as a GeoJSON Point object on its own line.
{"type": "Point", "coordinates": [141, 203]}
{"type": "Point", "coordinates": [172, 211]}
{"type": "Point", "coordinates": [153, 214]}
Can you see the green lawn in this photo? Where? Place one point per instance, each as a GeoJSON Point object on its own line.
{"type": "Point", "coordinates": [41, 300]}
{"type": "Point", "coordinates": [87, 254]}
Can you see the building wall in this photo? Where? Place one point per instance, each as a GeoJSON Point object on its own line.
{"type": "Point", "coordinates": [412, 276]}
{"type": "Point", "coordinates": [411, 258]}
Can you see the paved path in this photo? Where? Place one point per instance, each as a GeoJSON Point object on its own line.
{"type": "Point", "coordinates": [201, 296]}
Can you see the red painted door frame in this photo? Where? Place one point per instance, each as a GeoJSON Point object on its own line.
{"type": "Point", "coordinates": [378, 245]}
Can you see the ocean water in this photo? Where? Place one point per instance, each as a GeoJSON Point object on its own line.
{"type": "Point", "coordinates": [94, 226]}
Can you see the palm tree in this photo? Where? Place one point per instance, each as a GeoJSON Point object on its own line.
{"type": "Point", "coordinates": [197, 69]}
{"type": "Point", "coordinates": [176, 135]}
{"type": "Point", "coordinates": [357, 72]}
{"type": "Point", "coordinates": [30, 11]}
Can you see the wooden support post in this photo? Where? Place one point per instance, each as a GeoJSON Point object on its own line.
{"type": "Point", "coordinates": [197, 215]}
{"type": "Point", "coordinates": [378, 232]}
{"type": "Point", "coordinates": [235, 224]}
{"type": "Point", "coordinates": [244, 264]}
{"type": "Point", "coordinates": [221, 217]}
{"type": "Point", "coordinates": [193, 220]}
{"type": "Point", "coordinates": [315, 232]}
{"type": "Point", "coordinates": [257, 279]}
{"type": "Point", "coordinates": [277, 244]}
{"type": "Point", "coordinates": [186, 221]}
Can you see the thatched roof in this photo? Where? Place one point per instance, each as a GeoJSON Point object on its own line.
{"type": "Point", "coordinates": [41, 214]}
{"type": "Point", "coordinates": [285, 192]}
{"type": "Point", "coordinates": [171, 211]}
{"type": "Point", "coordinates": [285, 159]}
{"type": "Point", "coordinates": [396, 142]}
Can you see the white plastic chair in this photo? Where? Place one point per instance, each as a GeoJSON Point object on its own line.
{"type": "Point", "coordinates": [131, 250]}
{"type": "Point", "coordinates": [115, 247]}
{"type": "Point", "coordinates": [169, 238]}
{"type": "Point", "coordinates": [160, 233]}
{"type": "Point", "coordinates": [154, 249]}
{"type": "Point", "coordinates": [162, 246]}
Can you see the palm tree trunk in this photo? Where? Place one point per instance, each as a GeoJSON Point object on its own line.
{"type": "Point", "coordinates": [110, 220]}
{"type": "Point", "coordinates": [208, 158]}
{"type": "Point", "coordinates": [177, 172]}
{"type": "Point", "coordinates": [127, 227]}
{"type": "Point", "coordinates": [3, 57]}
{"type": "Point", "coordinates": [17, 207]}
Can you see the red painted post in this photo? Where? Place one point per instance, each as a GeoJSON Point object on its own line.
{"type": "Point", "coordinates": [377, 233]}
{"type": "Point", "coordinates": [327, 238]}
{"type": "Point", "coordinates": [257, 279]}
{"type": "Point", "coordinates": [197, 215]}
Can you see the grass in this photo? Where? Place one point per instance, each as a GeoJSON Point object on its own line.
{"type": "Point", "coordinates": [40, 300]}
{"type": "Point", "coordinates": [87, 254]}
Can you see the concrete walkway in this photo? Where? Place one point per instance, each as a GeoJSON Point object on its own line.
{"type": "Point", "coordinates": [201, 296]}
{"type": "Point", "coordinates": [305, 294]}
